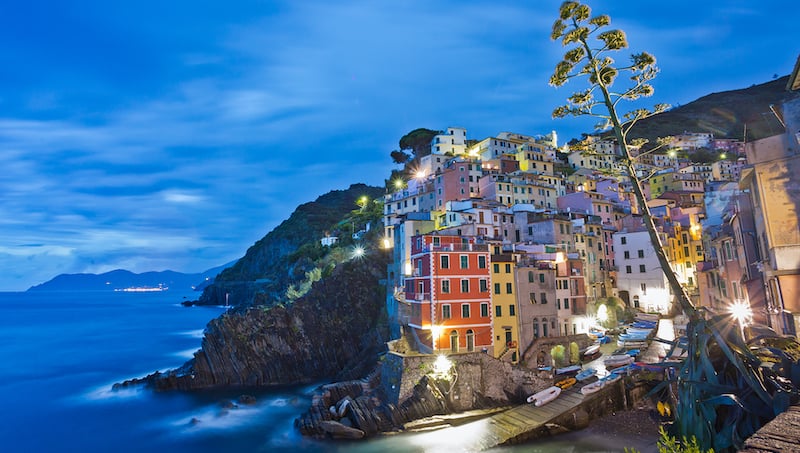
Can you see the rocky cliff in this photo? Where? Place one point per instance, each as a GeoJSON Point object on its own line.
{"type": "Point", "coordinates": [285, 254]}
{"type": "Point", "coordinates": [336, 331]}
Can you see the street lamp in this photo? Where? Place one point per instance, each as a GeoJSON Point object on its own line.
{"type": "Point", "coordinates": [436, 331]}
{"type": "Point", "coordinates": [742, 313]}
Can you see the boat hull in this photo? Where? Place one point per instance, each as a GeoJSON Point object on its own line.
{"type": "Point", "coordinates": [545, 396]}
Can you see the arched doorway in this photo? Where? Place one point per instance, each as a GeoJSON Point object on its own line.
{"type": "Point", "coordinates": [453, 341]}
{"type": "Point", "coordinates": [470, 340]}
{"type": "Point", "coordinates": [544, 327]}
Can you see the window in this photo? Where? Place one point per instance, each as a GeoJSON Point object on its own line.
{"type": "Point", "coordinates": [436, 241]}
{"type": "Point", "coordinates": [498, 310]}
{"type": "Point", "coordinates": [444, 261]}
{"type": "Point", "coordinates": [627, 255]}
{"type": "Point", "coordinates": [543, 298]}
{"type": "Point", "coordinates": [541, 278]}
{"type": "Point", "coordinates": [511, 311]}
{"type": "Point", "coordinates": [465, 310]}
{"type": "Point", "coordinates": [642, 269]}
{"type": "Point", "coordinates": [482, 262]}
{"type": "Point", "coordinates": [623, 240]}
{"type": "Point", "coordinates": [508, 268]}
{"type": "Point", "coordinates": [446, 311]}
{"type": "Point", "coordinates": [465, 286]}
{"type": "Point", "coordinates": [566, 302]}
{"type": "Point", "coordinates": [530, 276]}
{"type": "Point", "coordinates": [484, 285]}
{"type": "Point", "coordinates": [497, 288]}
{"type": "Point", "coordinates": [509, 288]}
{"type": "Point", "coordinates": [644, 288]}
{"type": "Point", "coordinates": [445, 286]}
{"type": "Point", "coordinates": [496, 268]}
{"type": "Point", "coordinates": [464, 261]}
{"type": "Point", "coordinates": [628, 269]}
{"type": "Point", "coordinates": [558, 304]}
{"type": "Point", "coordinates": [641, 253]}
{"type": "Point", "coordinates": [484, 310]}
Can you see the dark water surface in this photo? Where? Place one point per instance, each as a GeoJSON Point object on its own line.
{"type": "Point", "coordinates": [62, 351]}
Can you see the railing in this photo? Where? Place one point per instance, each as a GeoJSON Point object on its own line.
{"type": "Point", "coordinates": [455, 248]}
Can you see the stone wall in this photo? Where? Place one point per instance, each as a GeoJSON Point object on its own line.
{"type": "Point", "coordinates": [478, 380]}
{"type": "Point", "coordinates": [538, 353]}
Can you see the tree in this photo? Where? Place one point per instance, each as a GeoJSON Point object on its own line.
{"type": "Point", "coordinates": [724, 394]}
{"type": "Point", "coordinates": [590, 47]}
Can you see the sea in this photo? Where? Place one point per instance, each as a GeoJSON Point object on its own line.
{"type": "Point", "coordinates": [61, 353]}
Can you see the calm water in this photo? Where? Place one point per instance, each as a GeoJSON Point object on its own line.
{"type": "Point", "coordinates": [61, 352]}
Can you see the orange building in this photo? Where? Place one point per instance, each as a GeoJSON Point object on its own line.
{"type": "Point", "coordinates": [448, 291]}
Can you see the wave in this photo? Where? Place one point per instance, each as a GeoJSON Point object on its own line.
{"type": "Point", "coordinates": [196, 333]}
{"type": "Point", "coordinates": [185, 354]}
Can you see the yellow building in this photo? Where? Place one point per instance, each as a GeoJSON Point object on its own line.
{"type": "Point", "coordinates": [504, 303]}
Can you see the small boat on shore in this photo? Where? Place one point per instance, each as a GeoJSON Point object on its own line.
{"type": "Point", "coordinates": [611, 378]}
{"type": "Point", "coordinates": [545, 396]}
{"type": "Point", "coordinates": [568, 370]}
{"type": "Point", "coordinates": [593, 387]}
{"type": "Point", "coordinates": [652, 317]}
{"type": "Point", "coordinates": [566, 383]}
{"type": "Point", "coordinates": [585, 374]}
{"type": "Point", "coordinates": [616, 361]}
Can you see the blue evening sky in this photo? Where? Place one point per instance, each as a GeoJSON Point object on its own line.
{"type": "Point", "coordinates": [155, 135]}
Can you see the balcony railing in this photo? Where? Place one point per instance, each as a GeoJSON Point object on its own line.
{"type": "Point", "coordinates": [455, 248]}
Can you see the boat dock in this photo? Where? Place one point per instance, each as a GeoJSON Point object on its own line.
{"type": "Point", "coordinates": [571, 410]}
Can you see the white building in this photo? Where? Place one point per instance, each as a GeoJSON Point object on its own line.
{"type": "Point", "coordinates": [640, 281]}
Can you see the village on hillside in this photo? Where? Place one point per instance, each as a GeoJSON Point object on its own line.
{"type": "Point", "coordinates": [500, 245]}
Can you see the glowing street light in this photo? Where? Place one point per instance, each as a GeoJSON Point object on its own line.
{"type": "Point", "coordinates": [436, 331]}
{"type": "Point", "coordinates": [742, 313]}
{"type": "Point", "coordinates": [398, 184]}
{"type": "Point", "coordinates": [420, 174]}
{"type": "Point", "coordinates": [358, 252]}
{"type": "Point", "coordinates": [441, 367]}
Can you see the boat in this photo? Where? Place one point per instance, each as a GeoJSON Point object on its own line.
{"type": "Point", "coordinates": [545, 396]}
{"type": "Point", "coordinates": [652, 317]}
{"type": "Point", "coordinates": [611, 378]}
{"type": "Point", "coordinates": [568, 370]}
{"type": "Point", "coordinates": [644, 325]}
{"type": "Point", "coordinates": [632, 343]}
{"type": "Point", "coordinates": [619, 360]}
{"type": "Point", "coordinates": [592, 350]}
{"type": "Point", "coordinates": [585, 374]}
{"type": "Point", "coordinates": [566, 383]}
{"type": "Point", "coordinates": [593, 387]}
{"type": "Point", "coordinates": [639, 331]}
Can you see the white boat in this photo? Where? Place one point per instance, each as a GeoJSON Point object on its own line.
{"type": "Point", "coordinates": [591, 350]}
{"type": "Point", "coordinates": [618, 360]}
{"type": "Point", "coordinates": [593, 387]}
{"type": "Point", "coordinates": [545, 396]}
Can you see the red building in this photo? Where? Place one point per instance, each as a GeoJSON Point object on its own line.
{"type": "Point", "coordinates": [448, 291]}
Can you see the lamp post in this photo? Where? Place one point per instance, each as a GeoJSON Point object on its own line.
{"type": "Point", "coordinates": [742, 313]}
{"type": "Point", "coordinates": [436, 331]}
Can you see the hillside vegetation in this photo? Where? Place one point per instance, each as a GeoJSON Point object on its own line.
{"type": "Point", "coordinates": [724, 114]}
{"type": "Point", "coordinates": [291, 253]}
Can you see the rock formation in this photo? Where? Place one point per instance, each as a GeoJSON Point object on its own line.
{"type": "Point", "coordinates": [336, 331]}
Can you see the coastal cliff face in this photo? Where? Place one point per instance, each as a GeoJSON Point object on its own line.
{"type": "Point", "coordinates": [285, 254]}
{"type": "Point", "coordinates": [336, 331]}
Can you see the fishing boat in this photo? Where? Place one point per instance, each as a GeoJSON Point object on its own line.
{"type": "Point", "coordinates": [585, 374]}
{"type": "Point", "coordinates": [619, 360]}
{"type": "Point", "coordinates": [566, 383]}
{"type": "Point", "coordinates": [568, 370]}
{"type": "Point", "coordinates": [593, 387]}
{"type": "Point", "coordinates": [611, 378]}
{"type": "Point", "coordinates": [652, 317]}
{"type": "Point", "coordinates": [545, 396]}
{"type": "Point", "coordinates": [645, 325]}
